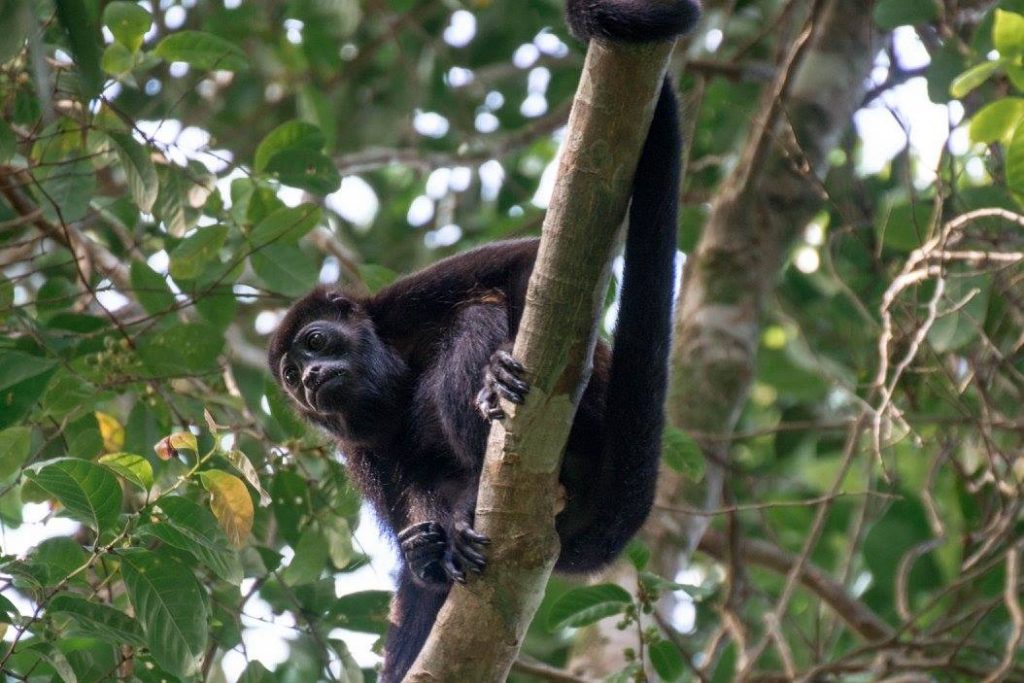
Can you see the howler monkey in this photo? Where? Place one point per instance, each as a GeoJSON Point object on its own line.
{"type": "Point", "coordinates": [406, 380]}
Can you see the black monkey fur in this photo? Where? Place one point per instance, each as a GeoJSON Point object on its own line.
{"type": "Point", "coordinates": [396, 378]}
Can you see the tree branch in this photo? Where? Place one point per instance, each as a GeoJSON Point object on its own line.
{"type": "Point", "coordinates": [481, 627]}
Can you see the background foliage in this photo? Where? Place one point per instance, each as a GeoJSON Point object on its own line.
{"type": "Point", "coordinates": [172, 176]}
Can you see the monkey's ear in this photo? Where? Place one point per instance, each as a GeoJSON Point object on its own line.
{"type": "Point", "coordinates": [339, 302]}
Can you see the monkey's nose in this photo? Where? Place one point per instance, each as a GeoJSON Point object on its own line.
{"type": "Point", "coordinates": [312, 376]}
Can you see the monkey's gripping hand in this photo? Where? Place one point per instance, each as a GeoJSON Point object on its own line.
{"type": "Point", "coordinates": [503, 377]}
{"type": "Point", "coordinates": [436, 557]}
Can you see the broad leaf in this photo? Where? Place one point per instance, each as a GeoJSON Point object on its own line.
{"type": "Point", "coordinates": [1015, 161]}
{"type": "Point", "coordinates": [667, 660]}
{"type": "Point", "coordinates": [198, 250]}
{"type": "Point", "coordinates": [182, 349]}
{"type": "Point", "coordinates": [286, 225]}
{"type": "Point", "coordinates": [134, 468]}
{"type": "Point", "coordinates": [85, 40]}
{"type": "Point", "coordinates": [14, 450]}
{"type": "Point", "coordinates": [170, 605]}
{"type": "Point", "coordinates": [190, 527]}
{"type": "Point", "coordinates": [202, 50]}
{"type": "Point", "coordinates": [365, 611]}
{"type": "Point", "coordinates": [88, 491]}
{"type": "Point", "coordinates": [1008, 33]}
{"type": "Point", "coordinates": [681, 453]}
{"type": "Point", "coordinates": [310, 558]}
{"type": "Point", "coordinates": [241, 462]}
{"type": "Point", "coordinates": [997, 119]}
{"type": "Point", "coordinates": [972, 78]}
{"type": "Point", "coordinates": [231, 504]}
{"type": "Point", "coordinates": [99, 620]}
{"type": "Point", "coordinates": [139, 168]}
{"type": "Point", "coordinates": [151, 289]}
{"type": "Point", "coordinates": [128, 22]}
{"type": "Point", "coordinates": [289, 135]}
{"type": "Point", "coordinates": [306, 169]}
{"type": "Point", "coordinates": [587, 605]}
{"type": "Point", "coordinates": [284, 269]}
{"type": "Point", "coordinates": [892, 13]}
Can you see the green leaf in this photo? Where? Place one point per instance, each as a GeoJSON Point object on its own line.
{"type": "Point", "coordinates": [16, 18]}
{"type": "Point", "coordinates": [638, 554]}
{"type": "Point", "coordinates": [365, 611]}
{"type": "Point", "coordinates": [291, 503]}
{"type": "Point", "coordinates": [306, 169]}
{"type": "Point", "coordinates": [903, 226]}
{"type": "Point", "coordinates": [182, 349]}
{"type": "Point", "coordinates": [128, 22]}
{"type": "Point", "coordinates": [65, 189]}
{"type": "Point", "coordinates": [289, 135]}
{"type": "Point", "coordinates": [202, 51]}
{"type": "Point", "coordinates": [682, 453]}
{"type": "Point", "coordinates": [151, 289]}
{"type": "Point", "coordinates": [947, 63]}
{"type": "Point", "coordinates": [99, 620]}
{"type": "Point", "coordinates": [139, 168]}
{"type": "Point", "coordinates": [1008, 33]}
{"type": "Point", "coordinates": [667, 660]}
{"type": "Point", "coordinates": [171, 204]}
{"type": "Point", "coordinates": [287, 225]}
{"type": "Point", "coordinates": [170, 605]}
{"type": "Point", "coordinates": [88, 492]}
{"type": "Point", "coordinates": [973, 77]}
{"type": "Point", "coordinates": [1015, 161]}
{"type": "Point", "coordinates": [190, 527]}
{"type": "Point", "coordinates": [117, 60]}
{"type": "Point", "coordinates": [892, 13]}
{"type": "Point", "coordinates": [338, 536]}
{"type": "Point", "coordinates": [350, 671]}
{"type": "Point", "coordinates": [15, 444]}
{"type": "Point", "coordinates": [587, 605]}
{"type": "Point", "coordinates": [134, 468]}
{"type": "Point", "coordinates": [997, 119]}
{"type": "Point", "coordinates": [16, 367]}
{"type": "Point", "coordinates": [85, 40]}
{"type": "Point", "coordinates": [284, 269]}
{"type": "Point", "coordinates": [310, 558]}
{"type": "Point", "coordinates": [255, 672]}
{"type": "Point", "coordinates": [1015, 73]}
{"type": "Point", "coordinates": [55, 658]}
{"type": "Point", "coordinates": [218, 306]}
{"type": "Point", "coordinates": [190, 258]}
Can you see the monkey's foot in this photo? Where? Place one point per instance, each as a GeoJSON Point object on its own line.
{"type": "Point", "coordinates": [503, 378]}
{"type": "Point", "coordinates": [435, 558]}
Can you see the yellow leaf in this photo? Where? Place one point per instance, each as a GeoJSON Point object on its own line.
{"type": "Point", "coordinates": [231, 504]}
{"type": "Point", "coordinates": [112, 432]}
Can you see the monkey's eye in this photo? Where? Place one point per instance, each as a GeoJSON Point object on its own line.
{"type": "Point", "coordinates": [291, 375]}
{"type": "Point", "coordinates": [316, 341]}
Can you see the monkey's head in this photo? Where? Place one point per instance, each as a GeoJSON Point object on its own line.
{"type": "Point", "coordinates": [327, 357]}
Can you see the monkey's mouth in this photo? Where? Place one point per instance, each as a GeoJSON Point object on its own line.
{"type": "Point", "coordinates": [326, 394]}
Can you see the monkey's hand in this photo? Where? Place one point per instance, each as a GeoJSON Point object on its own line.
{"type": "Point", "coordinates": [504, 378]}
{"type": "Point", "coordinates": [436, 557]}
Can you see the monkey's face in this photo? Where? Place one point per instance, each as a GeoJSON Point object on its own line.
{"type": "Point", "coordinates": [320, 367]}
{"type": "Point", "coordinates": [314, 355]}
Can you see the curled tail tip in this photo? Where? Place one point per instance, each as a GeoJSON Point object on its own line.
{"type": "Point", "coordinates": [633, 21]}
